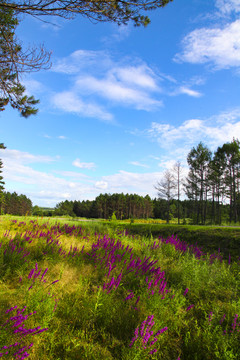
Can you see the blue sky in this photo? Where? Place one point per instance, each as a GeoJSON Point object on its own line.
{"type": "Point", "coordinates": [120, 105]}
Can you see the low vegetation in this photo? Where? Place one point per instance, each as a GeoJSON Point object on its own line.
{"type": "Point", "coordinates": [91, 291]}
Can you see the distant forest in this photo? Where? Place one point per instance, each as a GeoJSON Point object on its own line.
{"type": "Point", "coordinates": [211, 189]}
{"type": "Point", "coordinates": [133, 206]}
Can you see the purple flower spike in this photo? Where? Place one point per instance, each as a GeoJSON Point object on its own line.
{"type": "Point", "coordinates": [190, 307]}
{"type": "Point", "coordinates": [44, 273]}
{"type": "Point", "coordinates": [31, 274]}
{"type": "Point", "coordinates": [185, 292]}
{"type": "Point", "coordinates": [161, 331]}
{"type": "Point", "coordinates": [210, 316]}
{"type": "Point", "coordinates": [153, 351]}
{"type": "Point", "coordinates": [130, 296]}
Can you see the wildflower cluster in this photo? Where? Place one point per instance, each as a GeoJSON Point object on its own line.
{"type": "Point", "coordinates": [145, 337]}
{"type": "Point", "coordinates": [16, 333]}
{"type": "Point", "coordinates": [120, 261]}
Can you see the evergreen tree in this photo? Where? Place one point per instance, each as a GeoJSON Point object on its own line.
{"type": "Point", "coordinates": [197, 182]}
{"type": "Point", "coordinates": [117, 11]}
{"type": "Point", "coordinates": [230, 152]}
{"type": "Point", "coordinates": [14, 62]}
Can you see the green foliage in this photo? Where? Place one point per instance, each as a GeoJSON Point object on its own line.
{"type": "Point", "coordinates": [15, 204]}
{"type": "Point", "coordinates": [86, 321]}
{"type": "Point", "coordinates": [13, 62]}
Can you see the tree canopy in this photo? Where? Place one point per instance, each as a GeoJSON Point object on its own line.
{"type": "Point", "coordinates": [14, 62]}
{"type": "Point", "coordinates": [118, 11]}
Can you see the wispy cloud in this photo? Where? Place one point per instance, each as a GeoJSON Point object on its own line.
{"type": "Point", "coordinates": [130, 182]}
{"type": "Point", "coordinates": [218, 46]}
{"type": "Point", "coordinates": [102, 185]}
{"type": "Point", "coordinates": [47, 189]}
{"type": "Point", "coordinates": [84, 165]}
{"type": "Point", "coordinates": [187, 91]}
{"type": "Point", "coordinates": [120, 33]}
{"type": "Point", "coordinates": [137, 163]}
{"type": "Point", "coordinates": [227, 7]}
{"type": "Point", "coordinates": [119, 92]}
{"type": "Point", "coordinates": [69, 101]}
{"type": "Point", "coordinates": [97, 77]}
{"type": "Point", "coordinates": [21, 157]}
{"type": "Point", "coordinates": [81, 60]}
{"type": "Point", "coordinates": [215, 131]}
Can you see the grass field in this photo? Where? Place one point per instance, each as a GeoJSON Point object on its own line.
{"type": "Point", "coordinates": [90, 290]}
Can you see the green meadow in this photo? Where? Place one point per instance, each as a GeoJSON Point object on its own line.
{"type": "Point", "coordinates": [108, 290]}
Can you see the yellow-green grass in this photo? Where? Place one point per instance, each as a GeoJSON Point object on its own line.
{"type": "Point", "coordinates": [89, 323]}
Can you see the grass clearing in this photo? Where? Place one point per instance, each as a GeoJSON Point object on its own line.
{"type": "Point", "coordinates": [92, 291]}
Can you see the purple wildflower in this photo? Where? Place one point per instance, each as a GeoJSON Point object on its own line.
{"type": "Point", "coordinates": [210, 316]}
{"type": "Point", "coordinates": [185, 292]}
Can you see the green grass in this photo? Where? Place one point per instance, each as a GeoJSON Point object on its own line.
{"type": "Point", "coordinates": [86, 322]}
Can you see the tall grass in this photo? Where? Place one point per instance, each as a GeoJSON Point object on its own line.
{"type": "Point", "coordinates": [85, 291]}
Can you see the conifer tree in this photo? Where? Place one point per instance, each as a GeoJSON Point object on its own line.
{"type": "Point", "coordinates": [14, 61]}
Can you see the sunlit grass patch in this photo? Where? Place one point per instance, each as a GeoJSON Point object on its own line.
{"type": "Point", "coordinates": [92, 291]}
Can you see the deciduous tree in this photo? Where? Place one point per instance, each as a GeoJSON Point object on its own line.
{"type": "Point", "coordinates": [166, 188]}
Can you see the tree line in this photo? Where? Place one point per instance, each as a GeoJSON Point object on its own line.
{"type": "Point", "coordinates": [214, 178]}
{"type": "Point", "coordinates": [14, 204]}
{"type": "Point", "coordinates": [211, 186]}
{"type": "Point", "coordinates": [119, 206]}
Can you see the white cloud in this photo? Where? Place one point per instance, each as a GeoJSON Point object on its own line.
{"type": "Point", "coordinates": [21, 157]}
{"type": "Point", "coordinates": [70, 102]}
{"type": "Point", "coordinates": [187, 91]}
{"type": "Point", "coordinates": [84, 165]}
{"type": "Point", "coordinates": [121, 32]}
{"type": "Point", "coordinates": [141, 76]}
{"type": "Point", "coordinates": [228, 6]}
{"type": "Point", "coordinates": [215, 131]}
{"type": "Point", "coordinates": [137, 163]}
{"type": "Point", "coordinates": [129, 182]}
{"type": "Point", "coordinates": [102, 185]}
{"type": "Point", "coordinates": [119, 92]}
{"type": "Point", "coordinates": [33, 86]}
{"type": "Point", "coordinates": [48, 189]}
{"type": "Point", "coordinates": [75, 176]}
{"type": "Point", "coordinates": [126, 82]}
{"type": "Point", "coordinates": [62, 137]}
{"type": "Point", "coordinates": [219, 46]}
{"type": "Point", "coordinates": [80, 60]}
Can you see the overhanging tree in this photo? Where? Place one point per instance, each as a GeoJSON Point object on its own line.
{"type": "Point", "coordinates": [118, 11]}
{"type": "Point", "coordinates": [14, 61]}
